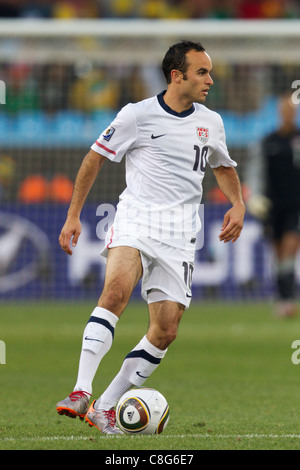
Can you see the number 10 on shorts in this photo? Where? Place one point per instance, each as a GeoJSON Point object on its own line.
{"type": "Point", "coordinates": [188, 269]}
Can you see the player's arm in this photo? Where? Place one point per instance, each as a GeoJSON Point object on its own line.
{"type": "Point", "coordinates": [85, 178]}
{"type": "Point", "coordinates": [229, 183]}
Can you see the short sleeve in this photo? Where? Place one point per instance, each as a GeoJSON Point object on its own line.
{"type": "Point", "coordinates": [220, 155]}
{"type": "Point", "coordinates": [119, 136]}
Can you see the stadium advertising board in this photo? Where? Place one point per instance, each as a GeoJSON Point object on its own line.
{"type": "Point", "coordinates": [33, 265]}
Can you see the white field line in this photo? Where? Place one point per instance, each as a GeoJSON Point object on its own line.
{"type": "Point", "coordinates": [180, 436]}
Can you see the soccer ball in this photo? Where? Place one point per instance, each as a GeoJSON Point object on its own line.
{"type": "Point", "coordinates": [142, 411]}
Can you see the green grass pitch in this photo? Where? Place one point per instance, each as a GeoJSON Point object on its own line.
{"type": "Point", "coordinates": [229, 378]}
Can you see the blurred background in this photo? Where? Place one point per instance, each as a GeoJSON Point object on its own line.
{"type": "Point", "coordinates": [66, 68]}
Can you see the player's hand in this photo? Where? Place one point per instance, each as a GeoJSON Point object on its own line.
{"type": "Point", "coordinates": [232, 223]}
{"type": "Point", "coordinates": [71, 230]}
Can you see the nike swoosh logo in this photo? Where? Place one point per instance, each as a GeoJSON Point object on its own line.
{"type": "Point", "coordinates": [188, 295]}
{"type": "Point", "coordinates": [93, 339]}
{"type": "Point", "coordinates": [157, 136]}
{"type": "Point", "coordinates": [142, 376]}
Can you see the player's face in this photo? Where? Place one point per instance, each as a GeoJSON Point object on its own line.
{"type": "Point", "coordinates": [197, 79]}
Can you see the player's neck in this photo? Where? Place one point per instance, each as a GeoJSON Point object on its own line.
{"type": "Point", "coordinates": [176, 102]}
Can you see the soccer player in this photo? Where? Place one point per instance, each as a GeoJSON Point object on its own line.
{"type": "Point", "coordinates": [167, 141]}
{"type": "Point", "coordinates": [274, 180]}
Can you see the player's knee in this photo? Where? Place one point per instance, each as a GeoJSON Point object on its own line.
{"type": "Point", "coordinates": [170, 335]}
{"type": "Point", "coordinates": [163, 337]}
{"type": "Point", "coordinates": [114, 300]}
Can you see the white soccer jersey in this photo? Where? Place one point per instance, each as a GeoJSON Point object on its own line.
{"type": "Point", "coordinates": [166, 154]}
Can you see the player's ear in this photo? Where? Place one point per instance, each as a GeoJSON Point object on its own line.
{"type": "Point", "coordinates": [176, 75]}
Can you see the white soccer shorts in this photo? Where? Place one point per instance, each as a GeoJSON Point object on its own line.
{"type": "Point", "coordinates": [167, 270]}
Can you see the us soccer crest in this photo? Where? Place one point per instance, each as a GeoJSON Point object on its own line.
{"type": "Point", "coordinates": [203, 134]}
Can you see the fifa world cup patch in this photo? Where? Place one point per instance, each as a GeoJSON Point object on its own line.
{"type": "Point", "coordinates": [203, 134]}
{"type": "Point", "coordinates": [107, 134]}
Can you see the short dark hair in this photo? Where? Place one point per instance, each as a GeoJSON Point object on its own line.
{"type": "Point", "coordinates": [175, 57]}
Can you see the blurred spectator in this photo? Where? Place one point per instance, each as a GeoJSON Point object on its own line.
{"type": "Point", "coordinates": [36, 9]}
{"type": "Point", "coordinates": [276, 9]}
{"type": "Point", "coordinates": [10, 8]}
{"type": "Point", "coordinates": [21, 89]}
{"type": "Point", "coordinates": [7, 174]}
{"type": "Point", "coordinates": [154, 9]}
{"type": "Point", "coordinates": [267, 9]}
{"type": "Point", "coordinates": [94, 91]}
{"type": "Point", "coordinates": [223, 9]}
{"type": "Point", "coordinates": [120, 8]}
{"type": "Point", "coordinates": [68, 9]}
{"type": "Point", "coordinates": [195, 10]}
{"type": "Point", "coordinates": [132, 86]}
{"type": "Point", "coordinates": [273, 9]}
{"type": "Point", "coordinates": [249, 9]}
{"type": "Point", "coordinates": [55, 81]}
{"type": "Point", "coordinates": [274, 181]}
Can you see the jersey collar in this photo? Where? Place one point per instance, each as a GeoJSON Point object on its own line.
{"type": "Point", "coordinates": [162, 103]}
